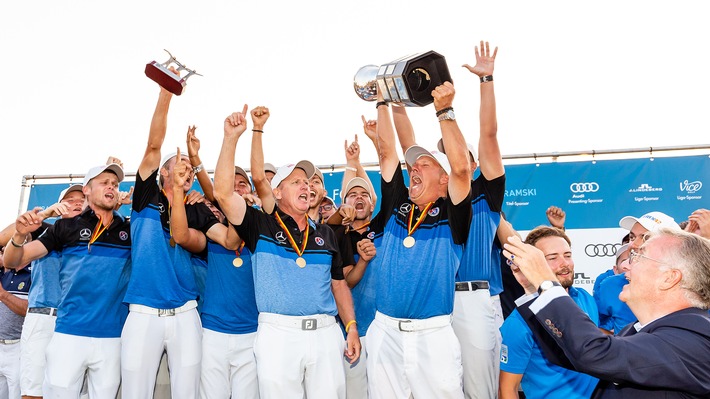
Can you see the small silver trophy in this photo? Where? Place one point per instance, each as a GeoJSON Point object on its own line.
{"type": "Point", "coordinates": [169, 81]}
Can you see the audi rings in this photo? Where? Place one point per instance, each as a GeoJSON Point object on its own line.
{"type": "Point", "coordinates": [577, 188]}
{"type": "Point", "coordinates": [601, 250]}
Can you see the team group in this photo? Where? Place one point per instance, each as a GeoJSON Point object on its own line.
{"type": "Point", "coordinates": [261, 288]}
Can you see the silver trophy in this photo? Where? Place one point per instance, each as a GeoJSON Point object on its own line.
{"type": "Point", "coordinates": [169, 81]}
{"type": "Point", "coordinates": [408, 80]}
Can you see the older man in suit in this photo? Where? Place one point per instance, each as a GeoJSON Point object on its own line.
{"type": "Point", "coordinates": [666, 354]}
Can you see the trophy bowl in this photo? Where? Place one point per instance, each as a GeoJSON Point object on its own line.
{"type": "Point", "coordinates": [365, 82]}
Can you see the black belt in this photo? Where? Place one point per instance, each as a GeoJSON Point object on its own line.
{"type": "Point", "coordinates": [47, 311]}
{"type": "Point", "coordinates": [472, 285]}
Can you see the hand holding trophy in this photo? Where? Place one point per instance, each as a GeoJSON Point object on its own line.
{"type": "Point", "coordinates": [165, 78]}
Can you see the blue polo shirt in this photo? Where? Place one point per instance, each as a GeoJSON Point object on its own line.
{"type": "Point", "coordinates": [163, 275]}
{"type": "Point", "coordinates": [618, 313]}
{"type": "Point", "coordinates": [417, 282]}
{"type": "Point", "coordinates": [230, 304]}
{"type": "Point", "coordinates": [93, 278]}
{"type": "Point", "coordinates": [520, 354]}
{"type": "Point", "coordinates": [281, 286]}
{"type": "Point", "coordinates": [481, 259]}
{"type": "Point", "coordinates": [604, 320]}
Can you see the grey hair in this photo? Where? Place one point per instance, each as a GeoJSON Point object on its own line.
{"type": "Point", "coordinates": [692, 257]}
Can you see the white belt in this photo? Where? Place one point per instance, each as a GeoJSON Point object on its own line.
{"type": "Point", "coordinates": [189, 305]}
{"type": "Point", "coordinates": [411, 325]}
{"type": "Point", "coordinates": [312, 322]}
{"type": "Point", "coordinates": [9, 341]}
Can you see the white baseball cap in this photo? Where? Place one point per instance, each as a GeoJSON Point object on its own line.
{"type": "Point", "coordinates": [651, 221]}
{"type": "Point", "coordinates": [620, 251]}
{"type": "Point", "coordinates": [238, 170]}
{"type": "Point", "coordinates": [355, 182]}
{"type": "Point", "coordinates": [97, 170]}
{"type": "Point", "coordinates": [269, 167]}
{"type": "Point", "coordinates": [414, 152]}
{"type": "Point", "coordinates": [471, 150]}
{"type": "Point", "coordinates": [170, 156]}
{"type": "Point", "coordinates": [283, 171]}
{"type": "Point", "coordinates": [73, 187]}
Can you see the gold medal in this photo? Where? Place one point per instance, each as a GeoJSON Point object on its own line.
{"type": "Point", "coordinates": [301, 262]}
{"type": "Point", "coordinates": [409, 241]}
{"type": "Point", "coordinates": [237, 262]}
{"type": "Point", "coordinates": [172, 242]}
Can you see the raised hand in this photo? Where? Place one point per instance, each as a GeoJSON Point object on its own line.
{"type": "Point", "coordinates": [443, 95]}
{"type": "Point", "coordinates": [28, 221]}
{"type": "Point", "coordinates": [484, 60]}
{"type": "Point", "coordinates": [259, 116]}
{"type": "Point", "coordinates": [112, 159]}
{"type": "Point", "coordinates": [236, 123]}
{"type": "Point", "coordinates": [352, 151]}
{"type": "Point", "coordinates": [193, 143]}
{"type": "Point", "coordinates": [370, 128]}
{"type": "Point", "coordinates": [556, 216]}
{"type": "Point", "coordinates": [193, 197]}
{"type": "Point", "coordinates": [181, 171]}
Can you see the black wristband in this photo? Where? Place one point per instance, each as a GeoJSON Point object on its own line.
{"type": "Point", "coordinates": [444, 110]}
{"type": "Point", "coordinates": [381, 103]}
{"type": "Point", "coordinates": [257, 130]}
{"type": "Point", "coordinates": [487, 78]}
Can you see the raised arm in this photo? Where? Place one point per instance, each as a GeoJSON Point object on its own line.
{"type": "Point", "coordinates": [489, 158]}
{"type": "Point", "coordinates": [389, 161]}
{"type": "Point", "coordinates": [18, 253]}
{"type": "Point", "coordinates": [403, 127]}
{"type": "Point", "coordinates": [259, 116]}
{"type": "Point", "coordinates": [193, 152]}
{"type": "Point", "coordinates": [353, 166]}
{"type": "Point", "coordinates": [191, 239]}
{"type": "Point", "coordinates": [457, 153]}
{"type": "Point", "coordinates": [232, 204]}
{"type": "Point", "coordinates": [156, 136]}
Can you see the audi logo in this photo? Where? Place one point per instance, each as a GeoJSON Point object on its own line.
{"type": "Point", "coordinates": [584, 187]}
{"type": "Point", "coordinates": [601, 250]}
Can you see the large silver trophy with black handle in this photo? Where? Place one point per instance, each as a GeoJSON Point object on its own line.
{"type": "Point", "coordinates": [171, 82]}
{"type": "Point", "coordinates": [408, 80]}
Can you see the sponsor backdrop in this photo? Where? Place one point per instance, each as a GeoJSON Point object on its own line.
{"type": "Point", "coordinates": [594, 194]}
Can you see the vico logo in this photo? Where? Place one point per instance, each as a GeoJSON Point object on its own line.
{"type": "Point", "coordinates": [691, 187]}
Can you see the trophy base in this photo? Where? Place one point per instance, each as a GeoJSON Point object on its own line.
{"type": "Point", "coordinates": [166, 79]}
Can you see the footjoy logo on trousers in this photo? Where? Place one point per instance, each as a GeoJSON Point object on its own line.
{"type": "Point", "coordinates": [601, 250]}
{"type": "Point", "coordinates": [691, 187]}
{"type": "Point", "coordinates": [584, 187]}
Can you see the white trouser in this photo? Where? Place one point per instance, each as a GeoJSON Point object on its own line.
{"type": "Point", "coordinates": [144, 338]}
{"type": "Point", "coordinates": [10, 370]}
{"type": "Point", "coordinates": [228, 366]}
{"type": "Point", "coordinates": [476, 327]}
{"type": "Point", "coordinates": [356, 375]}
{"type": "Point", "coordinates": [419, 358]}
{"type": "Point", "coordinates": [293, 362]}
{"type": "Point", "coordinates": [70, 356]}
{"type": "Point", "coordinates": [37, 331]}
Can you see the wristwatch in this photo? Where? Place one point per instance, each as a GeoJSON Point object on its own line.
{"type": "Point", "coordinates": [546, 285]}
{"type": "Point", "coordinates": [447, 116]}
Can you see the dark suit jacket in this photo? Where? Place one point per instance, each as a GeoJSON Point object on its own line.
{"type": "Point", "coordinates": [668, 358]}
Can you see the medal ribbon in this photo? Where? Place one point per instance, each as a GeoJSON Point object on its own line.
{"type": "Point", "coordinates": [238, 252]}
{"type": "Point", "coordinates": [421, 218]}
{"type": "Point", "coordinates": [290, 237]}
{"type": "Point", "coordinates": [100, 228]}
{"type": "Point", "coordinates": [184, 201]}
